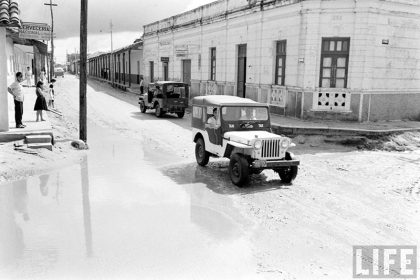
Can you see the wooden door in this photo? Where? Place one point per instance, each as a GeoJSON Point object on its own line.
{"type": "Point", "coordinates": [241, 79]}
{"type": "Point", "coordinates": [186, 71]}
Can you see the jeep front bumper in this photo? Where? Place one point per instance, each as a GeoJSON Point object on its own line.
{"type": "Point", "coordinates": [262, 164]}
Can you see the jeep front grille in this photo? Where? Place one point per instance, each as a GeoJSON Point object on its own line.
{"type": "Point", "coordinates": [271, 149]}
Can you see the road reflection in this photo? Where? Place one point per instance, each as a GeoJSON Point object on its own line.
{"type": "Point", "coordinates": [84, 170]}
{"type": "Point", "coordinates": [30, 220]}
{"type": "Point", "coordinates": [13, 211]}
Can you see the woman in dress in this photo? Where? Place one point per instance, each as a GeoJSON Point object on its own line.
{"type": "Point", "coordinates": [40, 103]}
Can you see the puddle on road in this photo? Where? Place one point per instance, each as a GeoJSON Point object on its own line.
{"type": "Point", "coordinates": [116, 215]}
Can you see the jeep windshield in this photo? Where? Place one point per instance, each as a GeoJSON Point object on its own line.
{"type": "Point", "coordinates": [176, 91]}
{"type": "Point", "coordinates": [247, 113]}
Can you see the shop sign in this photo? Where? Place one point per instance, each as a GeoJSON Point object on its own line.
{"type": "Point", "coordinates": [36, 31]}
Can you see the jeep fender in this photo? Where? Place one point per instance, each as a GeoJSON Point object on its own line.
{"type": "Point", "coordinates": [235, 148]}
{"type": "Point", "coordinates": [197, 136]}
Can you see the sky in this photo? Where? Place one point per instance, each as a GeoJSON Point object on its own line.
{"type": "Point", "coordinates": [127, 16]}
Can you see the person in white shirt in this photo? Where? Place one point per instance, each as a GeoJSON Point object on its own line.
{"type": "Point", "coordinates": [51, 93]}
{"type": "Point", "coordinates": [28, 76]}
{"type": "Point", "coordinates": [15, 89]}
{"type": "Point", "coordinates": [213, 121]}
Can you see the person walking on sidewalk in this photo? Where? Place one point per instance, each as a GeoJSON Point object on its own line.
{"type": "Point", "coordinates": [15, 89]}
{"type": "Point", "coordinates": [28, 76]}
{"type": "Point", "coordinates": [40, 103]}
{"type": "Point", "coordinates": [141, 85]}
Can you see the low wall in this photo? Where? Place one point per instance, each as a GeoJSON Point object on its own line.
{"type": "Point", "coordinates": [299, 103]}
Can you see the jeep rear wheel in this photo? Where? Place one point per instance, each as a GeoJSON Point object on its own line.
{"type": "Point", "coordinates": [238, 169]}
{"type": "Point", "coordinates": [158, 111]}
{"type": "Point", "coordinates": [142, 107]}
{"type": "Point", "coordinates": [287, 174]}
{"type": "Point", "coordinates": [181, 114]}
{"type": "Point", "coordinates": [201, 155]}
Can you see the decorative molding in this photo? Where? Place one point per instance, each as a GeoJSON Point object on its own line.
{"type": "Point", "coordinates": [278, 96]}
{"type": "Point", "coordinates": [332, 99]}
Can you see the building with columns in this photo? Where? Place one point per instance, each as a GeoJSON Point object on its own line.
{"type": "Point", "coordinates": [328, 59]}
{"type": "Point", "coordinates": [124, 65]}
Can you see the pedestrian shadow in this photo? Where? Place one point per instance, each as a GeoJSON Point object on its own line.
{"type": "Point", "coordinates": [215, 176]}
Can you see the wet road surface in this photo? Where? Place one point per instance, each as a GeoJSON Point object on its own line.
{"type": "Point", "coordinates": [118, 215]}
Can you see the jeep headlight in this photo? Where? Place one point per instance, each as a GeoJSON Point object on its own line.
{"type": "Point", "coordinates": [257, 144]}
{"type": "Point", "coordinates": [285, 143]}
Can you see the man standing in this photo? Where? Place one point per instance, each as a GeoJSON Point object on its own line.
{"type": "Point", "coordinates": [28, 76]}
{"type": "Point", "coordinates": [141, 85]}
{"type": "Point", "coordinates": [15, 89]}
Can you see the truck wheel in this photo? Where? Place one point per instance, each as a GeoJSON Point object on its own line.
{"type": "Point", "coordinates": [181, 114]}
{"type": "Point", "coordinates": [158, 111]}
{"type": "Point", "coordinates": [287, 174]}
{"type": "Point", "coordinates": [238, 170]}
{"type": "Point", "coordinates": [201, 155]}
{"type": "Point", "coordinates": [142, 107]}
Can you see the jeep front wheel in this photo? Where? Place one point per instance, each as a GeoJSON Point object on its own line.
{"type": "Point", "coordinates": [287, 174]}
{"type": "Point", "coordinates": [158, 111]}
{"type": "Point", "coordinates": [201, 155]}
{"type": "Point", "coordinates": [238, 169]}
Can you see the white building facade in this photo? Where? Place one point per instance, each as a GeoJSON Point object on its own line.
{"type": "Point", "coordinates": [335, 59]}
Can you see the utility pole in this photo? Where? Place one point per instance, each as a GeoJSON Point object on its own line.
{"type": "Point", "coordinates": [52, 39]}
{"type": "Point", "coordinates": [82, 78]}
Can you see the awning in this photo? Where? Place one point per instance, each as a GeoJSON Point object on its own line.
{"type": "Point", "coordinates": [42, 47]}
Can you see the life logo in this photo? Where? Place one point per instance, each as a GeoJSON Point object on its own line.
{"type": "Point", "coordinates": [384, 261]}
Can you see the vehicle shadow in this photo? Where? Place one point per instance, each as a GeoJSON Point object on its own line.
{"type": "Point", "coordinates": [215, 176]}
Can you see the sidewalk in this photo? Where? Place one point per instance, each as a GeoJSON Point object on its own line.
{"type": "Point", "coordinates": [294, 126]}
{"type": "Point", "coordinates": [29, 117]}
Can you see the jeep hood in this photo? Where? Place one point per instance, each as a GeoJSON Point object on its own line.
{"type": "Point", "coordinates": [245, 137]}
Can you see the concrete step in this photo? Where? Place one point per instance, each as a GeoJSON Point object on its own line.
{"type": "Point", "coordinates": [33, 139]}
{"type": "Point", "coordinates": [40, 146]}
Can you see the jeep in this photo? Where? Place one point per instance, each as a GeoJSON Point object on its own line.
{"type": "Point", "coordinates": [240, 129]}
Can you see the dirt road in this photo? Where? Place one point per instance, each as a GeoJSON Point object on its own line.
{"type": "Point", "coordinates": [341, 197]}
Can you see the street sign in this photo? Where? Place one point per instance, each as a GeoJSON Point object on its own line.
{"type": "Point", "coordinates": [37, 31]}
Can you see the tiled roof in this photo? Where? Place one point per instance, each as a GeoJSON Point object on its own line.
{"type": "Point", "coordinates": [9, 13]}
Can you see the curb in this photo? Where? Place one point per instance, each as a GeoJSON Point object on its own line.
{"type": "Point", "coordinates": [290, 130]}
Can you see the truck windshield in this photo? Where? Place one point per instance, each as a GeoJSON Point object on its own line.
{"type": "Point", "coordinates": [244, 113]}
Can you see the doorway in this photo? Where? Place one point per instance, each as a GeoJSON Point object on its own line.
{"type": "Point", "coordinates": [186, 71]}
{"type": "Point", "coordinates": [241, 79]}
{"type": "Point", "coordinates": [165, 71]}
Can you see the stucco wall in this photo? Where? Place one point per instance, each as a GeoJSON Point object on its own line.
{"type": "Point", "coordinates": [384, 49]}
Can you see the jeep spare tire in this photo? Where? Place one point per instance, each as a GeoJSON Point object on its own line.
{"type": "Point", "coordinates": [238, 170]}
{"type": "Point", "coordinates": [201, 155]}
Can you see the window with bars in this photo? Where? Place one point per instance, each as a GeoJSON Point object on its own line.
{"type": "Point", "coordinates": [280, 62]}
{"type": "Point", "coordinates": [334, 62]}
{"type": "Point", "coordinates": [213, 64]}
